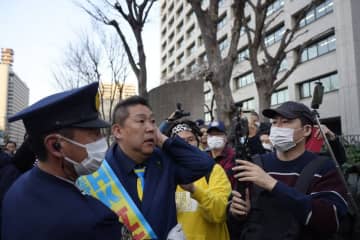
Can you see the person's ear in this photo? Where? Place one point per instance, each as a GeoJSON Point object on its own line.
{"type": "Point", "coordinates": [117, 131]}
{"type": "Point", "coordinates": [52, 145]}
{"type": "Point", "coordinates": [307, 130]}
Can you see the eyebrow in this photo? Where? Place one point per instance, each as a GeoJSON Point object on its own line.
{"type": "Point", "coordinates": [143, 115]}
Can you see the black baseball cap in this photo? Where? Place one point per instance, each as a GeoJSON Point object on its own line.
{"type": "Point", "coordinates": [291, 110]}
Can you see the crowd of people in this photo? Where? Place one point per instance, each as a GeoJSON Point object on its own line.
{"type": "Point", "coordinates": [180, 180]}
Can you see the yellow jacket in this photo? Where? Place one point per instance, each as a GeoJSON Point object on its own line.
{"type": "Point", "coordinates": [203, 213]}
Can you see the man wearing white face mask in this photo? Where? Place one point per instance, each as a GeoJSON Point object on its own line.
{"type": "Point", "coordinates": [302, 211]}
{"type": "Point", "coordinates": [222, 153]}
{"type": "Point", "coordinates": [44, 203]}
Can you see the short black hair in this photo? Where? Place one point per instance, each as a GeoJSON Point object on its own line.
{"type": "Point", "coordinates": [121, 112]}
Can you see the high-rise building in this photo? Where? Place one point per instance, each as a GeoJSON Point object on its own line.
{"type": "Point", "coordinates": [14, 96]}
{"type": "Point", "coordinates": [110, 96]}
{"type": "Point", "coordinates": [332, 34]}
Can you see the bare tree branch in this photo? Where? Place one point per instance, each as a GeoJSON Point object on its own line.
{"type": "Point", "coordinates": [135, 15]}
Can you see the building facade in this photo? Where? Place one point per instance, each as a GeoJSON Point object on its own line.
{"type": "Point", "coordinates": [110, 96]}
{"type": "Point", "coordinates": [333, 41]}
{"type": "Point", "coordinates": [14, 96]}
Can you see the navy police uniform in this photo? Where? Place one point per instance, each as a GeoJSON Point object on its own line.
{"type": "Point", "coordinates": [43, 206]}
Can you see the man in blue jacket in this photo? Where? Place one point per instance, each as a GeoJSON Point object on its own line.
{"type": "Point", "coordinates": [164, 163]}
{"type": "Point", "coordinates": [44, 203]}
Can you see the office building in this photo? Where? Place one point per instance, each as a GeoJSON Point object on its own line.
{"type": "Point", "coordinates": [332, 34]}
{"type": "Point", "coordinates": [14, 96]}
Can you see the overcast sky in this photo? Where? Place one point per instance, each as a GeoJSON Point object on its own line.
{"type": "Point", "coordinates": [39, 30]}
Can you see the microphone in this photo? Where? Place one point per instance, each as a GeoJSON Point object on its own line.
{"type": "Point", "coordinates": [317, 95]}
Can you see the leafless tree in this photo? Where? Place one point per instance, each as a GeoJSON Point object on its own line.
{"type": "Point", "coordinates": [257, 24]}
{"type": "Point", "coordinates": [219, 66]}
{"type": "Point", "coordinates": [93, 59]}
{"type": "Point", "coordinates": [252, 16]}
{"type": "Point", "coordinates": [135, 16]}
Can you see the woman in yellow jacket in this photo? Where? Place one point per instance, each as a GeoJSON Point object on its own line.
{"type": "Point", "coordinates": [201, 206]}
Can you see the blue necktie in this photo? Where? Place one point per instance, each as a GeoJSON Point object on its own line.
{"type": "Point", "coordinates": [140, 182]}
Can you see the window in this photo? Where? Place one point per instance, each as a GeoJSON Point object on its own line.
{"type": "Point", "coordinates": [171, 66]}
{"type": "Point", "coordinates": [330, 83]}
{"type": "Point", "coordinates": [171, 51]}
{"type": "Point", "coordinates": [200, 41]}
{"type": "Point", "coordinates": [180, 42]}
{"type": "Point", "coordinates": [179, 10]}
{"type": "Point", "coordinates": [283, 65]}
{"type": "Point", "coordinates": [222, 22]}
{"type": "Point", "coordinates": [181, 74]}
{"type": "Point", "coordinates": [191, 67]}
{"type": "Point", "coordinates": [207, 117]}
{"type": "Point", "coordinates": [189, 15]}
{"type": "Point", "coordinates": [180, 26]}
{"type": "Point", "coordinates": [274, 7]}
{"type": "Point", "coordinates": [191, 49]}
{"type": "Point", "coordinates": [208, 95]}
{"type": "Point", "coordinates": [279, 96]}
{"type": "Point", "coordinates": [163, 46]}
{"type": "Point", "coordinates": [221, 3]}
{"type": "Point", "coordinates": [171, 22]}
{"type": "Point", "coordinates": [314, 14]}
{"type": "Point", "coordinates": [163, 59]}
{"type": "Point", "coordinates": [248, 104]}
{"type": "Point", "coordinates": [163, 32]}
{"type": "Point", "coordinates": [190, 31]}
{"type": "Point", "coordinates": [171, 7]}
{"type": "Point", "coordinates": [244, 80]}
{"type": "Point", "coordinates": [163, 73]}
{"type": "Point", "coordinates": [163, 6]}
{"type": "Point", "coordinates": [223, 45]}
{"type": "Point", "coordinates": [243, 54]}
{"type": "Point", "coordinates": [242, 29]}
{"type": "Point", "coordinates": [171, 36]}
{"type": "Point", "coordinates": [319, 48]}
{"type": "Point", "coordinates": [180, 58]}
{"type": "Point", "coordinates": [163, 19]}
{"type": "Point", "coordinates": [203, 59]}
{"type": "Point", "coordinates": [204, 4]}
{"type": "Point", "coordinates": [274, 36]}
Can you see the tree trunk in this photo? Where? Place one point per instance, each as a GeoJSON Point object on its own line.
{"type": "Point", "coordinates": [264, 94]}
{"type": "Point", "coordinates": [223, 96]}
{"type": "Point", "coordinates": [142, 82]}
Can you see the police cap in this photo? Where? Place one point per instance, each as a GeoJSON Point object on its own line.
{"type": "Point", "coordinates": [76, 108]}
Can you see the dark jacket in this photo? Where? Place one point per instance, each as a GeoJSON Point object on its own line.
{"type": "Point", "coordinates": [176, 163]}
{"type": "Point", "coordinates": [41, 206]}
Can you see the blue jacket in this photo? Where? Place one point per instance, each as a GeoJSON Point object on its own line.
{"type": "Point", "coordinates": [42, 207]}
{"type": "Point", "coordinates": [176, 163]}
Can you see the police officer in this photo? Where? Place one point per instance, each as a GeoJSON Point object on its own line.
{"type": "Point", "coordinates": [44, 203]}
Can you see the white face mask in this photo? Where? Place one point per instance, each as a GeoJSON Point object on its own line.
{"type": "Point", "coordinates": [283, 138]}
{"type": "Point", "coordinates": [95, 156]}
{"type": "Point", "coordinates": [215, 142]}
